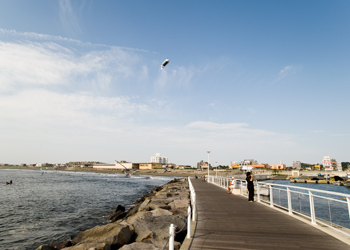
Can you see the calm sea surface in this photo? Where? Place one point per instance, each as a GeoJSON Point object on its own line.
{"type": "Point", "coordinates": [333, 210]}
{"type": "Point", "coordinates": [43, 207]}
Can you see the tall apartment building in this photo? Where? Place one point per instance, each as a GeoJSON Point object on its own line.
{"type": "Point", "coordinates": [330, 164]}
{"type": "Point", "coordinates": [326, 162]}
{"type": "Point", "coordinates": [159, 159]}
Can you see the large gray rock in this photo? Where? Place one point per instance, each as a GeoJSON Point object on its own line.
{"type": "Point", "coordinates": [45, 247]}
{"type": "Point", "coordinates": [155, 229]}
{"type": "Point", "coordinates": [179, 204]}
{"type": "Point", "coordinates": [113, 234]}
{"type": "Point", "coordinates": [138, 216]}
{"type": "Point", "coordinates": [133, 210]}
{"type": "Point", "coordinates": [144, 205]}
{"type": "Point", "coordinates": [140, 246]}
{"type": "Point", "coordinates": [158, 204]}
{"type": "Point", "coordinates": [89, 246]}
{"type": "Point", "coordinates": [117, 216]}
{"type": "Point", "coordinates": [160, 212]}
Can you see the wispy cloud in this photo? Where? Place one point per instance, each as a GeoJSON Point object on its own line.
{"type": "Point", "coordinates": [69, 18]}
{"type": "Point", "coordinates": [20, 36]}
{"type": "Point", "coordinates": [175, 77]}
{"type": "Point", "coordinates": [81, 109]}
{"type": "Point", "coordinates": [46, 64]}
{"type": "Point", "coordinates": [317, 131]}
{"type": "Point", "coordinates": [341, 135]}
{"type": "Point", "coordinates": [287, 71]}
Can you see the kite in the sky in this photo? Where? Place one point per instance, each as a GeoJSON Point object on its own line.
{"type": "Point", "coordinates": [164, 63]}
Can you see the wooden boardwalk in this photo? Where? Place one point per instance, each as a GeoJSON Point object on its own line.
{"type": "Point", "coordinates": [231, 222]}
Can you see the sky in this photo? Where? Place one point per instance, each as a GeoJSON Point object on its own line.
{"type": "Point", "coordinates": [265, 80]}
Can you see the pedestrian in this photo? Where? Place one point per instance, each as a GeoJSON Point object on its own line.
{"type": "Point", "coordinates": [250, 185]}
{"type": "Point", "coordinates": [232, 185]}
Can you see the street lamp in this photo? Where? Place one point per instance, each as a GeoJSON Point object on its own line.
{"type": "Point", "coordinates": [208, 163]}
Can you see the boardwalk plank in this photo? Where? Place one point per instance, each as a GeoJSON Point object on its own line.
{"type": "Point", "coordinates": [231, 222]}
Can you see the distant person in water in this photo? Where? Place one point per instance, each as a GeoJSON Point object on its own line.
{"type": "Point", "coordinates": [9, 182]}
{"type": "Point", "coordinates": [250, 185]}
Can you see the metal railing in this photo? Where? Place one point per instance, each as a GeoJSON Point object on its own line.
{"type": "Point", "coordinates": [190, 212]}
{"type": "Point", "coordinates": [328, 208]}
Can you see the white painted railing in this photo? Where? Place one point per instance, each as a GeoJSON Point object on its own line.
{"type": "Point", "coordinates": [172, 232]}
{"type": "Point", "coordinates": [193, 198]}
{"type": "Point", "coordinates": [331, 209]}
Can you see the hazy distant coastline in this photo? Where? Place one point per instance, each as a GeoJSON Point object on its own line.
{"type": "Point", "coordinates": [157, 172]}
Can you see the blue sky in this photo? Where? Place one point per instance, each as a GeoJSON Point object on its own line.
{"type": "Point", "coordinates": [264, 80]}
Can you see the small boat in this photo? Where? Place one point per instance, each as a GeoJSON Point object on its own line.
{"type": "Point", "coordinates": [337, 183]}
{"type": "Point", "coordinates": [347, 183]}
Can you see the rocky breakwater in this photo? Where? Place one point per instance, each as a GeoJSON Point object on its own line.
{"type": "Point", "coordinates": [145, 226]}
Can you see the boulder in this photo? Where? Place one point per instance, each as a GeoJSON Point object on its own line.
{"type": "Point", "coordinates": [160, 212]}
{"type": "Point", "coordinates": [180, 206]}
{"type": "Point", "coordinates": [133, 210]}
{"type": "Point", "coordinates": [113, 234]}
{"type": "Point", "coordinates": [138, 216]}
{"type": "Point", "coordinates": [61, 245]}
{"type": "Point", "coordinates": [144, 205]}
{"type": "Point", "coordinates": [120, 208]}
{"type": "Point", "coordinates": [89, 246]}
{"type": "Point", "coordinates": [140, 246]}
{"type": "Point", "coordinates": [117, 216]}
{"type": "Point", "coordinates": [162, 195]}
{"type": "Point", "coordinates": [154, 205]}
{"type": "Point", "coordinates": [155, 229]}
{"type": "Point", "coordinates": [45, 247]}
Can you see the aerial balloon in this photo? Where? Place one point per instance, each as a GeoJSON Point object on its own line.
{"type": "Point", "coordinates": [164, 63]}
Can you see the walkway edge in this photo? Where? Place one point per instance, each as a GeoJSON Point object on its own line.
{"type": "Point", "coordinates": [186, 244]}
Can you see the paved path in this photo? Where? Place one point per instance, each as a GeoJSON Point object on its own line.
{"type": "Point", "coordinates": [231, 222]}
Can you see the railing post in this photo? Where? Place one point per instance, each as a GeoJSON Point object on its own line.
{"type": "Point", "coordinates": [290, 208]}
{"type": "Point", "coordinates": [271, 196]}
{"type": "Point", "coordinates": [172, 236]}
{"type": "Point", "coordinates": [258, 191]}
{"type": "Point", "coordinates": [189, 223]}
{"type": "Point", "coordinates": [312, 208]}
{"type": "Point", "coordinates": [348, 200]}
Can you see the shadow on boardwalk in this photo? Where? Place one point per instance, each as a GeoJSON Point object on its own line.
{"type": "Point", "coordinates": [231, 222]}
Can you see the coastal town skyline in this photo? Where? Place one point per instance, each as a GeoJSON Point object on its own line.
{"type": "Point", "coordinates": [82, 80]}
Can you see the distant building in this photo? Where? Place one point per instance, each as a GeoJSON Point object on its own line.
{"type": "Point", "coordinates": [249, 164]}
{"type": "Point", "coordinates": [339, 166]}
{"type": "Point", "coordinates": [150, 165]}
{"type": "Point", "coordinates": [317, 167]}
{"type": "Point", "coordinates": [296, 164]}
{"type": "Point", "coordinates": [278, 166]}
{"type": "Point", "coordinates": [202, 165]}
{"type": "Point", "coordinates": [235, 164]}
{"type": "Point", "coordinates": [159, 159]}
{"type": "Point", "coordinates": [330, 164]}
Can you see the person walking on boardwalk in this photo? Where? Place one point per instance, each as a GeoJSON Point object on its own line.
{"type": "Point", "coordinates": [250, 185]}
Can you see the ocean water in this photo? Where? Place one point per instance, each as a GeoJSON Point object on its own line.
{"type": "Point", "coordinates": [334, 210]}
{"type": "Point", "coordinates": [44, 207]}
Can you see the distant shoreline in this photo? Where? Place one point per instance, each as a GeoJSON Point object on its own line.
{"type": "Point", "coordinates": [180, 172]}
{"type": "Point", "coordinates": [155, 172]}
